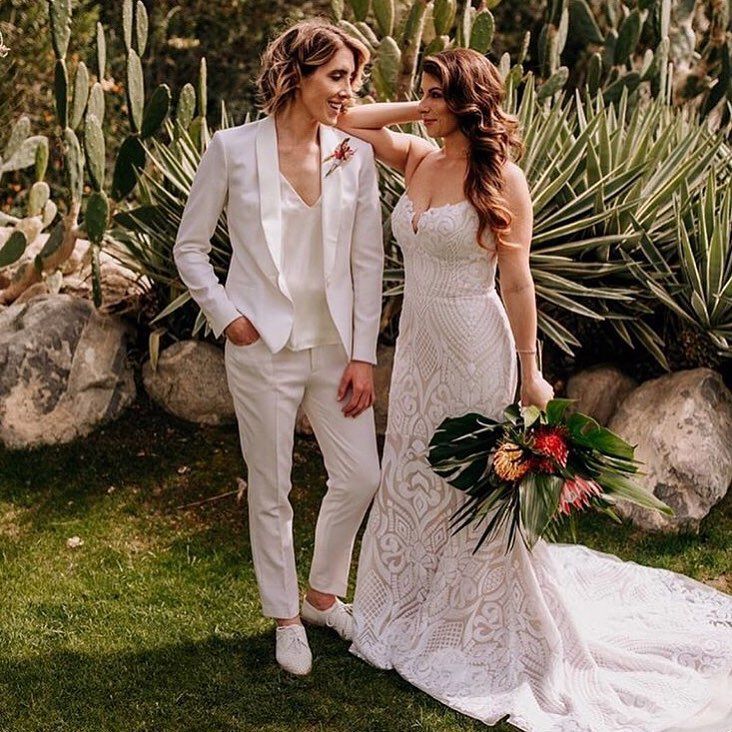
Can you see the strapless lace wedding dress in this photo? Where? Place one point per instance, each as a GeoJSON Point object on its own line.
{"type": "Point", "coordinates": [562, 639]}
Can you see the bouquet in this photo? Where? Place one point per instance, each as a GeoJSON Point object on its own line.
{"type": "Point", "coordinates": [534, 469]}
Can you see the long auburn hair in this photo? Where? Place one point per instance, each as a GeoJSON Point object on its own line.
{"type": "Point", "coordinates": [473, 91]}
{"type": "Point", "coordinates": [298, 52]}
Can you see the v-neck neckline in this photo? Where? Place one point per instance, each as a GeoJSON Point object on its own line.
{"type": "Point", "coordinates": [299, 197]}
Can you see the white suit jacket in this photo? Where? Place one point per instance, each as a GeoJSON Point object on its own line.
{"type": "Point", "coordinates": [239, 172]}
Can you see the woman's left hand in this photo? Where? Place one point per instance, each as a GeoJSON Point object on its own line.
{"type": "Point", "coordinates": [536, 391]}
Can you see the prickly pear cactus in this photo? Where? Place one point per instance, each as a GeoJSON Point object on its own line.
{"type": "Point", "coordinates": [80, 111]}
{"type": "Point", "coordinates": [399, 35]}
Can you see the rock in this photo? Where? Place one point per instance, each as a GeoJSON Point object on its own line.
{"type": "Point", "coordinates": [382, 379]}
{"type": "Point", "coordinates": [599, 391]}
{"type": "Point", "coordinates": [39, 288]}
{"type": "Point", "coordinates": [682, 426]}
{"type": "Point", "coordinates": [63, 370]}
{"type": "Point", "coordinates": [190, 383]}
{"type": "Point", "coordinates": [122, 287]}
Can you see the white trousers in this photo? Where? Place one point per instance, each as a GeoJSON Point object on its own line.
{"type": "Point", "coordinates": [268, 389]}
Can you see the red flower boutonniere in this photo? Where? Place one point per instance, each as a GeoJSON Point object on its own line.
{"type": "Point", "coordinates": [340, 156]}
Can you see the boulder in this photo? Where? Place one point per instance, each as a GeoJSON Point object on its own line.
{"type": "Point", "coordinates": [682, 426]}
{"type": "Point", "coordinates": [63, 370]}
{"type": "Point", "coordinates": [382, 379]}
{"type": "Point", "coordinates": [598, 391]}
{"type": "Point", "coordinates": [122, 287]}
{"type": "Point", "coordinates": [190, 382]}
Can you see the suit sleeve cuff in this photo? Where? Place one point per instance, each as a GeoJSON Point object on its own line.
{"type": "Point", "coordinates": [224, 317]}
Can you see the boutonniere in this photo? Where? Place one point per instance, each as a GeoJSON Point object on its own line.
{"type": "Point", "coordinates": [340, 156]}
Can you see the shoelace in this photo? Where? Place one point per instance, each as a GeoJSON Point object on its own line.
{"type": "Point", "coordinates": [294, 639]}
{"type": "Point", "coordinates": [339, 617]}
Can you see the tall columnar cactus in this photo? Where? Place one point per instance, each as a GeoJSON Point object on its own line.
{"type": "Point", "coordinates": [80, 109]}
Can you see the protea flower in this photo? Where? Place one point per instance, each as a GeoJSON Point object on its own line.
{"type": "Point", "coordinates": [551, 443]}
{"type": "Point", "coordinates": [509, 462]}
{"type": "Point", "coordinates": [576, 493]}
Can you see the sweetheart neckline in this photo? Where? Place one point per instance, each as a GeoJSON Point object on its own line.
{"type": "Point", "coordinates": [427, 210]}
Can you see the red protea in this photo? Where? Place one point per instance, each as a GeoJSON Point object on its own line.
{"type": "Point", "coordinates": [576, 493]}
{"type": "Point", "coordinates": [551, 444]}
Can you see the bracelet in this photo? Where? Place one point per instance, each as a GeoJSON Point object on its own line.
{"type": "Point", "coordinates": [532, 351]}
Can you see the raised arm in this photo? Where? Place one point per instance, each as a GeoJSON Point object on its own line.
{"type": "Point", "coordinates": [517, 286]}
{"type": "Point", "coordinates": [396, 149]}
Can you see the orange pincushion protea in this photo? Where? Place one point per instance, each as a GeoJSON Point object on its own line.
{"type": "Point", "coordinates": [509, 462]}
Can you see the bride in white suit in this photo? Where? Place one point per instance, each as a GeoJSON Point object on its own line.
{"type": "Point", "coordinates": [300, 311]}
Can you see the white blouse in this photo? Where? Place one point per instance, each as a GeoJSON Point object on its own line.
{"type": "Point", "coordinates": [302, 267]}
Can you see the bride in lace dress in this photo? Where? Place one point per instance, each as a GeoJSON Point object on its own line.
{"type": "Point", "coordinates": [561, 639]}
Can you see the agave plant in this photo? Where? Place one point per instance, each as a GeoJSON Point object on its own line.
{"type": "Point", "coordinates": [148, 231]}
{"type": "Point", "coordinates": [694, 280]}
{"type": "Point", "coordinates": [600, 180]}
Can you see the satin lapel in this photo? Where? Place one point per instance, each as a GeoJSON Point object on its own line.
{"type": "Point", "coordinates": [268, 172]}
{"type": "Point", "coordinates": [331, 192]}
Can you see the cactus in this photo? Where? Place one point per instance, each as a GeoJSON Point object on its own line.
{"type": "Point", "coordinates": [156, 111]}
{"type": "Point", "coordinates": [81, 95]}
{"type": "Point", "coordinates": [437, 44]}
{"type": "Point", "coordinates": [38, 198]}
{"type": "Point", "coordinates": [202, 88]}
{"type": "Point", "coordinates": [127, 20]}
{"type": "Point", "coordinates": [553, 84]}
{"type": "Point", "coordinates": [360, 8]}
{"type": "Point", "coordinates": [61, 92]}
{"type": "Point", "coordinates": [639, 38]}
{"type": "Point", "coordinates": [95, 105]}
{"type": "Point", "coordinates": [186, 106]}
{"type": "Point", "coordinates": [101, 52]}
{"type": "Point", "coordinates": [628, 36]}
{"type": "Point", "coordinates": [59, 12]}
{"type": "Point", "coordinates": [141, 27]}
{"type": "Point", "coordinates": [94, 147]}
{"type": "Point", "coordinates": [41, 158]}
{"type": "Point", "coordinates": [481, 32]}
{"type": "Point", "coordinates": [443, 16]}
{"type": "Point", "coordinates": [135, 90]}
{"type": "Point", "coordinates": [83, 150]}
{"type": "Point", "coordinates": [130, 159]}
{"type": "Point", "coordinates": [337, 7]}
{"type": "Point", "coordinates": [74, 165]}
{"type": "Point", "coordinates": [411, 43]}
{"type": "Point", "coordinates": [96, 217]}
{"type": "Point", "coordinates": [594, 71]}
{"type": "Point", "coordinates": [386, 69]}
{"type": "Point", "coordinates": [583, 23]}
{"type": "Point", "coordinates": [384, 11]}
{"type": "Point", "coordinates": [13, 249]}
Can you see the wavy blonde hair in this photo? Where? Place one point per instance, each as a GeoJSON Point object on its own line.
{"type": "Point", "coordinates": [298, 52]}
{"type": "Point", "coordinates": [473, 91]}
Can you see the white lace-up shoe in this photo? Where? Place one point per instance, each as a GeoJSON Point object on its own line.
{"type": "Point", "coordinates": [338, 616]}
{"type": "Point", "coordinates": [292, 650]}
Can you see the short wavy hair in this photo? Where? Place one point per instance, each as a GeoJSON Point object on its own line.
{"type": "Point", "coordinates": [298, 52]}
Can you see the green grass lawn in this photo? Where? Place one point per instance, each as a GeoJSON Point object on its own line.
{"type": "Point", "coordinates": [153, 622]}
